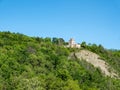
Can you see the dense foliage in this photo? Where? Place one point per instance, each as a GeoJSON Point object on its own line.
{"type": "Point", "coordinates": [34, 63]}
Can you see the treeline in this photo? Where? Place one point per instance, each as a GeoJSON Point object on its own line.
{"type": "Point", "coordinates": [34, 63]}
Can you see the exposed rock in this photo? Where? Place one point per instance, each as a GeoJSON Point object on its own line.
{"type": "Point", "coordinates": [95, 60]}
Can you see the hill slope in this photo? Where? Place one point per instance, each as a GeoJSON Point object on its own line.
{"type": "Point", "coordinates": [95, 60]}
{"type": "Point", "coordinates": [34, 63]}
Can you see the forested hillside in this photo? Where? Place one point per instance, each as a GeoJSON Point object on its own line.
{"type": "Point", "coordinates": [35, 63]}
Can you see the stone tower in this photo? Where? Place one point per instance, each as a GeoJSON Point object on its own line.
{"type": "Point", "coordinates": [71, 42]}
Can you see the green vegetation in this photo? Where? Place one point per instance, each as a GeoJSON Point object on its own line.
{"type": "Point", "coordinates": [34, 63]}
{"type": "Point", "coordinates": [110, 56]}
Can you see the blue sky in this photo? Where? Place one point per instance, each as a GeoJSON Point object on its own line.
{"type": "Point", "coordinates": [93, 21]}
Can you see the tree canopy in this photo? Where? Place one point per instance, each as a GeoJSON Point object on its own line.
{"type": "Point", "coordinates": [35, 63]}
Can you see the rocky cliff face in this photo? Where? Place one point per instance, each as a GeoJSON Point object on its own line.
{"type": "Point", "coordinates": [95, 60]}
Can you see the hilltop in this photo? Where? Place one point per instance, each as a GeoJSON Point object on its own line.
{"type": "Point", "coordinates": [35, 63]}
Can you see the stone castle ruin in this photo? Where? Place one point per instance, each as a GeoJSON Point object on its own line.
{"type": "Point", "coordinates": [73, 44]}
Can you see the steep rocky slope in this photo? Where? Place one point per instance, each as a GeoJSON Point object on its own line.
{"type": "Point", "coordinates": [95, 60]}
